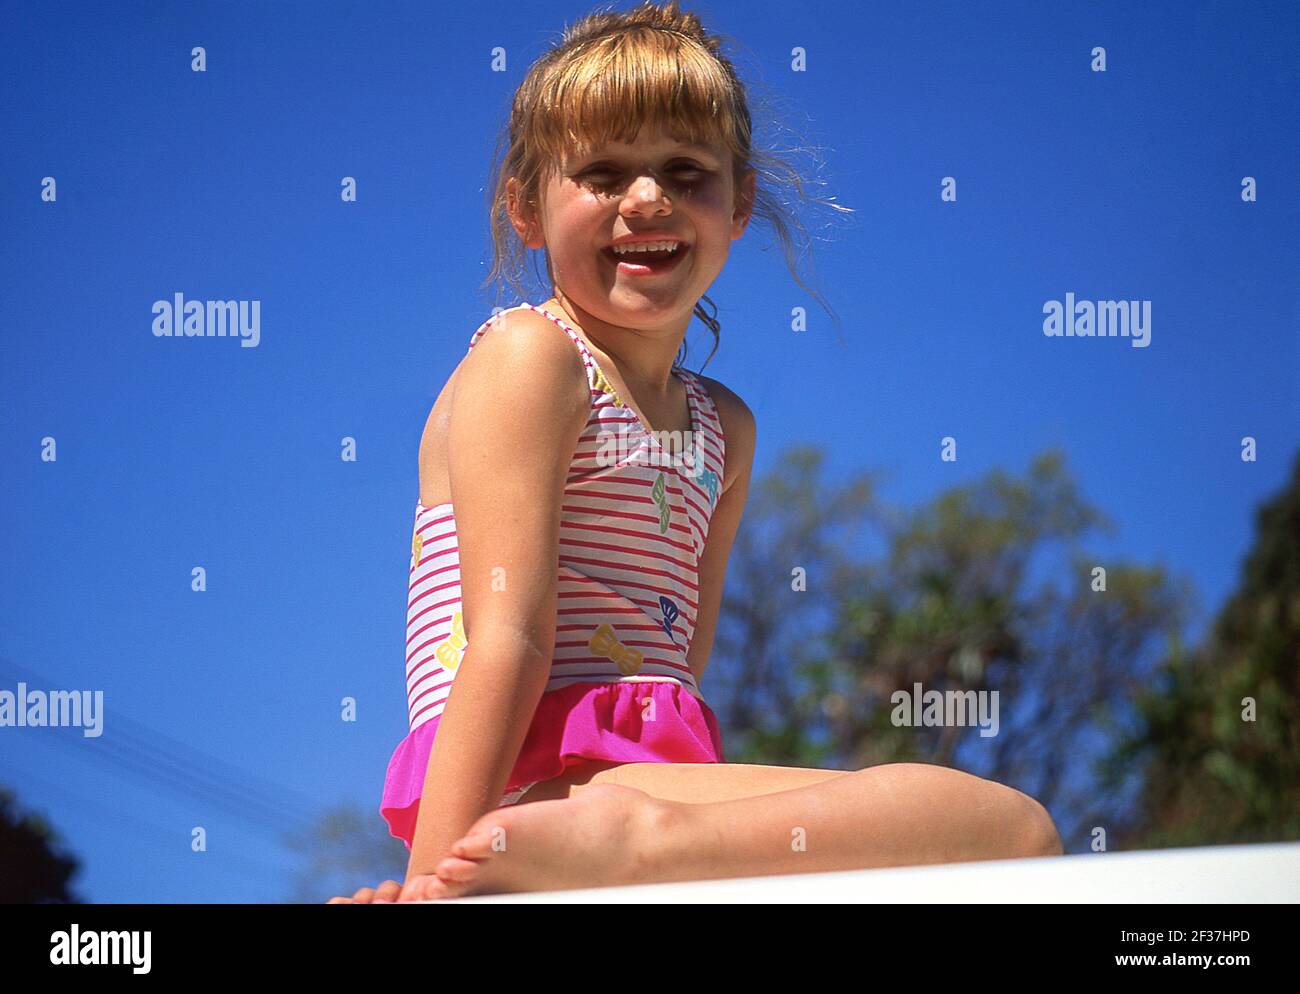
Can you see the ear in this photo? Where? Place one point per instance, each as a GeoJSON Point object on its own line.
{"type": "Point", "coordinates": [745, 194]}
{"type": "Point", "coordinates": [521, 218]}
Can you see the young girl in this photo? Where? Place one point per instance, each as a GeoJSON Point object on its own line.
{"type": "Point", "coordinates": [577, 748]}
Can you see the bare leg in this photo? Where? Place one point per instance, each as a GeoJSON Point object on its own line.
{"type": "Point", "coordinates": [893, 815]}
{"type": "Point", "coordinates": [900, 814]}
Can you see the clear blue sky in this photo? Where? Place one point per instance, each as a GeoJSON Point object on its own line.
{"type": "Point", "coordinates": [225, 184]}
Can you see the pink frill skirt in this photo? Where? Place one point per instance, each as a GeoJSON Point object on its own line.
{"type": "Point", "coordinates": [583, 721]}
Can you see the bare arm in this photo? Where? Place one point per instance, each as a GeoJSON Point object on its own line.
{"type": "Point", "coordinates": [739, 428]}
{"type": "Point", "coordinates": [520, 403]}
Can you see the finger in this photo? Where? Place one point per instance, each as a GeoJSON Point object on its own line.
{"type": "Point", "coordinates": [364, 896]}
{"type": "Point", "coordinates": [389, 890]}
{"type": "Point", "coordinates": [340, 900]}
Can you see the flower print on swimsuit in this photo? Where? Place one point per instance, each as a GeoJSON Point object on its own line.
{"type": "Point", "coordinates": [707, 476]}
{"type": "Point", "coordinates": [670, 614]}
{"type": "Point", "coordinates": [660, 497]}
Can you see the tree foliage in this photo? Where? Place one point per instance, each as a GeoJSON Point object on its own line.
{"type": "Point", "coordinates": [33, 867]}
{"type": "Point", "coordinates": [1001, 585]}
{"type": "Point", "coordinates": [1217, 749]}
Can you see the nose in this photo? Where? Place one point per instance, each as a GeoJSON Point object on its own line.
{"type": "Point", "coordinates": [645, 196]}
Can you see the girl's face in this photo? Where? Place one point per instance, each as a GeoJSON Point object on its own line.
{"type": "Point", "coordinates": [653, 186]}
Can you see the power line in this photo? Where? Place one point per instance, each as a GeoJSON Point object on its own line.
{"type": "Point", "coordinates": [214, 794]}
{"type": "Point", "coordinates": [241, 793]}
{"type": "Point", "coordinates": [252, 868]}
{"type": "Point", "coordinates": [270, 790]}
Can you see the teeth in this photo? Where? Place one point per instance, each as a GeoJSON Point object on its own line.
{"type": "Point", "coordinates": [646, 247]}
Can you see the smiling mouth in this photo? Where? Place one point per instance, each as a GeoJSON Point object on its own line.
{"type": "Point", "coordinates": [646, 263]}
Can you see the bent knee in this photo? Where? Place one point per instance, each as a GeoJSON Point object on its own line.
{"type": "Point", "coordinates": [1041, 836]}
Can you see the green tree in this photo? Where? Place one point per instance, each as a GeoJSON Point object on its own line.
{"type": "Point", "coordinates": [33, 869]}
{"type": "Point", "coordinates": [1209, 770]}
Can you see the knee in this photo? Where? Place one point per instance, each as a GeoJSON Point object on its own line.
{"type": "Point", "coordinates": [1041, 837]}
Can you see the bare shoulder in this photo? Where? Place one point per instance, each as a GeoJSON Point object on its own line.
{"type": "Point", "coordinates": [523, 337]}
{"type": "Point", "coordinates": [738, 425]}
{"type": "Point", "coordinates": [527, 357]}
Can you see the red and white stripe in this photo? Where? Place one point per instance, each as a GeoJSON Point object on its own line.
{"type": "Point", "coordinates": [614, 562]}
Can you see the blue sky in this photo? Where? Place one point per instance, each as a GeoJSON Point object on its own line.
{"type": "Point", "coordinates": [225, 185]}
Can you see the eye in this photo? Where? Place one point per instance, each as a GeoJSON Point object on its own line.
{"type": "Point", "coordinates": [686, 172]}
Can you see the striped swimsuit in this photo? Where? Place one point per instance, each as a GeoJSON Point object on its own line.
{"type": "Point", "coordinates": [633, 524]}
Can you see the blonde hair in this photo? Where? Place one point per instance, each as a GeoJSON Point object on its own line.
{"type": "Point", "coordinates": [609, 75]}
